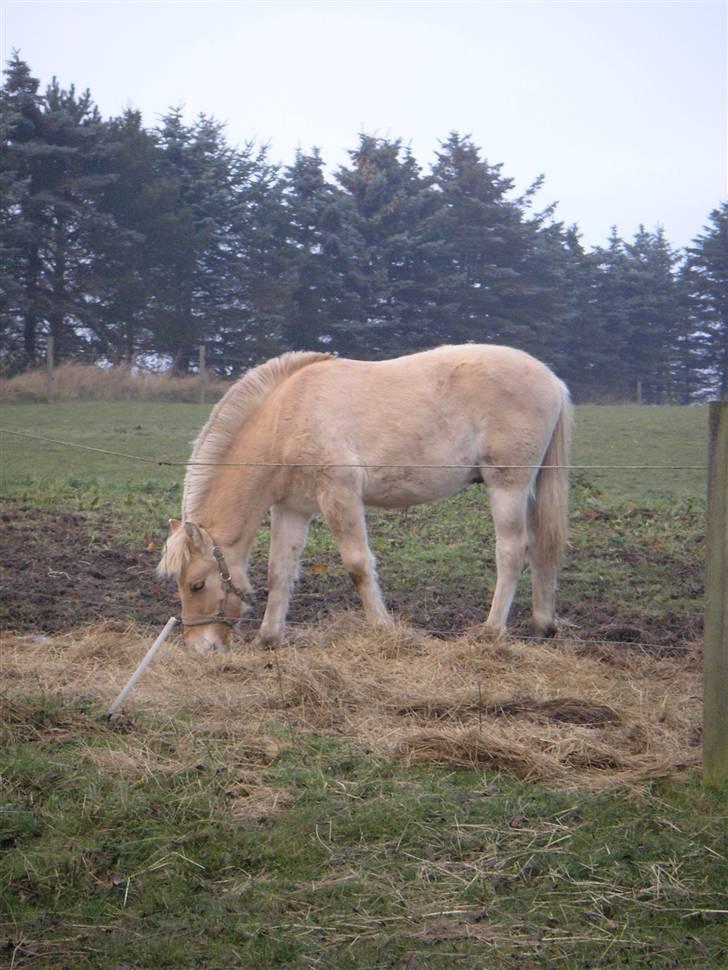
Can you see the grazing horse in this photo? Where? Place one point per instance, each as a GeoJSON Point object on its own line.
{"type": "Point", "coordinates": [309, 432]}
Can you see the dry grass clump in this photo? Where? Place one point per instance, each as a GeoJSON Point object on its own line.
{"type": "Point", "coordinates": [541, 712]}
{"type": "Point", "coordinates": [87, 382]}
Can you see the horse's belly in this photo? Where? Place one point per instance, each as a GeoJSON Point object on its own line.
{"type": "Point", "coordinates": [400, 488]}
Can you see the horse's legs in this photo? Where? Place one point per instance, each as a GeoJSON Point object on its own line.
{"type": "Point", "coordinates": [344, 514]}
{"type": "Point", "coordinates": [288, 530]}
{"type": "Point", "coordinates": [508, 506]}
{"type": "Point", "coordinates": [544, 577]}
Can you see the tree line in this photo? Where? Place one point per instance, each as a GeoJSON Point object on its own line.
{"type": "Point", "coordinates": [125, 243]}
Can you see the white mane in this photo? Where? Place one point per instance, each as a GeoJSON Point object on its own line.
{"type": "Point", "coordinates": [228, 416]}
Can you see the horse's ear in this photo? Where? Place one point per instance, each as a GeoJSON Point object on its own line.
{"type": "Point", "coordinates": [196, 537]}
{"type": "Point", "coordinates": [174, 524]}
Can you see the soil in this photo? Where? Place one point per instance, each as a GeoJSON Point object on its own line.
{"type": "Point", "coordinates": [60, 570]}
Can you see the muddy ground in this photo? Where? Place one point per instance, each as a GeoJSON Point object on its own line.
{"type": "Point", "coordinates": [59, 570]}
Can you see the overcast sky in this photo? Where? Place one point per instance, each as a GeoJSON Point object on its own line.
{"type": "Point", "coordinates": [621, 105]}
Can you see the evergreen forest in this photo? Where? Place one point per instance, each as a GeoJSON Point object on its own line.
{"type": "Point", "coordinates": [132, 244]}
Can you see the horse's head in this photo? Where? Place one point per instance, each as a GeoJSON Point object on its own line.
{"type": "Point", "coordinates": [212, 593]}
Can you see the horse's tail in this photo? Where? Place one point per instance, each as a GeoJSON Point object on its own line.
{"type": "Point", "coordinates": [549, 508]}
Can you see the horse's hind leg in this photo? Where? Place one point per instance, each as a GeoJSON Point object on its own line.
{"type": "Point", "coordinates": [508, 506]}
{"type": "Point", "coordinates": [288, 530]}
{"type": "Point", "coordinates": [344, 513]}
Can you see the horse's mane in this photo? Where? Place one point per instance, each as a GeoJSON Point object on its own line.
{"type": "Point", "coordinates": [230, 413]}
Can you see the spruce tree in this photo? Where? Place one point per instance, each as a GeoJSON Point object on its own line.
{"type": "Point", "coordinates": [56, 148]}
{"type": "Point", "coordinates": [706, 281]}
{"type": "Point", "coordinates": [220, 261]}
{"type": "Point", "coordinates": [20, 233]}
{"type": "Point", "coordinates": [493, 267]}
{"type": "Point", "coordinates": [384, 200]}
{"type": "Point", "coordinates": [320, 305]}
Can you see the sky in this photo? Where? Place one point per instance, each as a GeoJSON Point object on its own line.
{"type": "Point", "coordinates": [620, 105]}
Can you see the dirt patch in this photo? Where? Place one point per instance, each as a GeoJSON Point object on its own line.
{"type": "Point", "coordinates": [60, 570]}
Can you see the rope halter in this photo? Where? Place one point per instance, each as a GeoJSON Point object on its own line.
{"type": "Point", "coordinates": [228, 587]}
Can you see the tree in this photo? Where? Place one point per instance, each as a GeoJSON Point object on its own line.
{"type": "Point", "coordinates": [320, 304]}
{"type": "Point", "coordinates": [20, 238]}
{"type": "Point", "coordinates": [706, 283]}
{"type": "Point", "coordinates": [384, 200]}
{"type": "Point", "coordinates": [56, 152]}
{"type": "Point", "coordinates": [493, 266]}
{"type": "Point", "coordinates": [220, 264]}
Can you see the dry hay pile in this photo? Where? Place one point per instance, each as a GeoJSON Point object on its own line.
{"type": "Point", "coordinates": [548, 712]}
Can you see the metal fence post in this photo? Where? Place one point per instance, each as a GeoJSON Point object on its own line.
{"type": "Point", "coordinates": [49, 369]}
{"type": "Point", "coordinates": [715, 667]}
{"type": "Point", "coordinates": [202, 373]}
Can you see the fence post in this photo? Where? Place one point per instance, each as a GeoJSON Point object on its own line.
{"type": "Point", "coordinates": [202, 372]}
{"type": "Point", "coordinates": [639, 392]}
{"type": "Point", "coordinates": [49, 368]}
{"type": "Point", "coordinates": [715, 666]}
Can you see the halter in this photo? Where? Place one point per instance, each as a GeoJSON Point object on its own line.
{"type": "Point", "coordinates": [228, 587]}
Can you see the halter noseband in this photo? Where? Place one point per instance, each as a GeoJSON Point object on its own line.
{"type": "Point", "coordinates": [228, 587]}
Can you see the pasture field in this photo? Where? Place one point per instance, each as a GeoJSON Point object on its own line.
{"type": "Point", "coordinates": [415, 798]}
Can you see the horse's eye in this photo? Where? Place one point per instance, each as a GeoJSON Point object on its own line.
{"type": "Point", "coordinates": [196, 587]}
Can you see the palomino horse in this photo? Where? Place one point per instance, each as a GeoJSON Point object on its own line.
{"type": "Point", "coordinates": [308, 432]}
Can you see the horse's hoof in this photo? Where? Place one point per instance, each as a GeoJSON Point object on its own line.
{"type": "Point", "coordinates": [493, 634]}
{"type": "Point", "coordinates": [547, 632]}
{"type": "Point", "coordinates": [266, 643]}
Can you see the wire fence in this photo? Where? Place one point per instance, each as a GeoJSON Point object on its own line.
{"type": "Point", "coordinates": [186, 463]}
{"type": "Point", "coordinates": [251, 624]}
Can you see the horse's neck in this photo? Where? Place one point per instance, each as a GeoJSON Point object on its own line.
{"type": "Point", "coordinates": [238, 495]}
{"type": "Point", "coordinates": [234, 507]}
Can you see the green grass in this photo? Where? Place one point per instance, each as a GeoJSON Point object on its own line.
{"type": "Point", "coordinates": [371, 863]}
{"type": "Point", "coordinates": [616, 435]}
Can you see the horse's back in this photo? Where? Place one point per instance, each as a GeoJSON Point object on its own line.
{"type": "Point", "coordinates": [467, 383]}
{"type": "Point", "coordinates": [423, 426]}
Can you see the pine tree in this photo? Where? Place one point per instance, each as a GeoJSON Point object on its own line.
{"type": "Point", "coordinates": [706, 280]}
{"type": "Point", "coordinates": [20, 239]}
{"type": "Point", "coordinates": [220, 253]}
{"type": "Point", "coordinates": [572, 339]}
{"type": "Point", "coordinates": [57, 148]}
{"type": "Point", "coordinates": [140, 200]}
{"type": "Point", "coordinates": [320, 307]}
{"type": "Point", "coordinates": [385, 197]}
{"type": "Point", "coordinates": [493, 267]}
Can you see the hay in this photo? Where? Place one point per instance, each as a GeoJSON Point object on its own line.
{"type": "Point", "coordinates": [547, 712]}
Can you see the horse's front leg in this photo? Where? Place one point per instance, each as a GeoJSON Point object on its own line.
{"type": "Point", "coordinates": [343, 510]}
{"type": "Point", "coordinates": [288, 531]}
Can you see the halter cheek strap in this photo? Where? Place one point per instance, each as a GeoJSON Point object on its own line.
{"type": "Point", "coordinates": [228, 586]}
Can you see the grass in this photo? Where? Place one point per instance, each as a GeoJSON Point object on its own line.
{"type": "Point", "coordinates": [605, 435]}
{"type": "Point", "coordinates": [340, 805]}
{"type": "Point", "coordinates": [219, 825]}
{"type": "Point", "coordinates": [369, 863]}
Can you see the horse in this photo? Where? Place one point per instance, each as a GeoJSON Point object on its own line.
{"type": "Point", "coordinates": [309, 432]}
